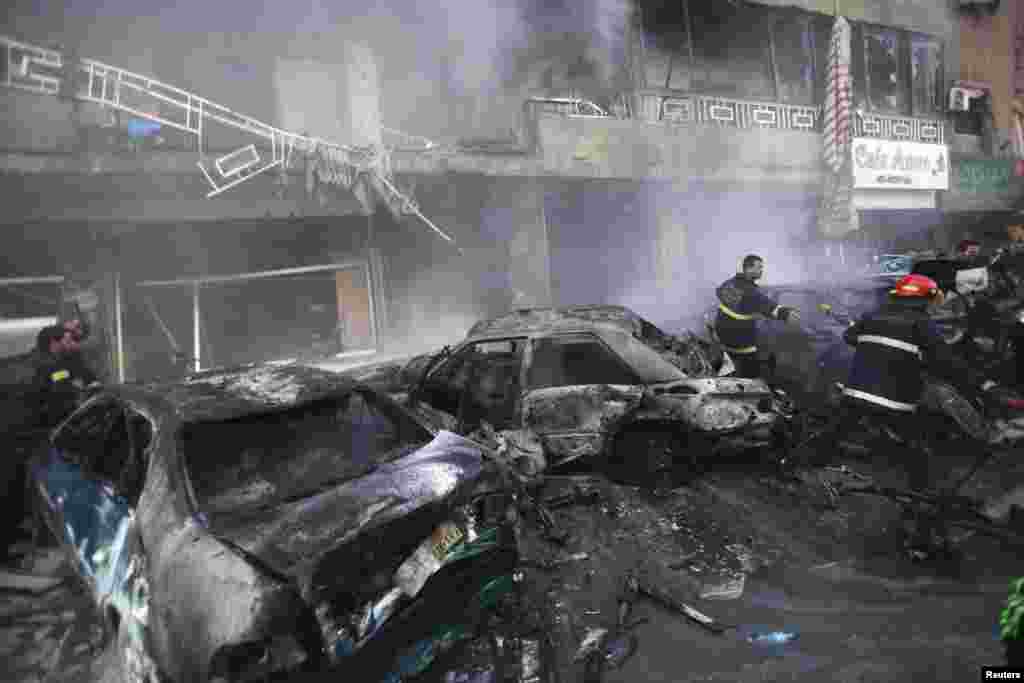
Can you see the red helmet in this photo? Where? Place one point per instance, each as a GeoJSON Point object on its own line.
{"type": "Point", "coordinates": [915, 286]}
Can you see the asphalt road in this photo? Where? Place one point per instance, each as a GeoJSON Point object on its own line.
{"type": "Point", "coordinates": [833, 575]}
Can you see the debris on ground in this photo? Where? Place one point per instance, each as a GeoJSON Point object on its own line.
{"type": "Point", "coordinates": [574, 490]}
{"type": "Point", "coordinates": [23, 581]}
{"type": "Point", "coordinates": [954, 510]}
{"type": "Point", "coordinates": [620, 649]}
{"type": "Point", "coordinates": [1001, 509]}
{"type": "Point", "coordinates": [638, 585]}
{"type": "Point", "coordinates": [772, 638]}
{"type": "Point", "coordinates": [551, 565]}
{"type": "Point", "coordinates": [731, 589]}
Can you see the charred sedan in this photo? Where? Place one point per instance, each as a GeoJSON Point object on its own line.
{"type": "Point", "coordinates": [241, 524]}
{"type": "Point", "coordinates": [571, 388]}
{"type": "Point", "coordinates": [694, 355]}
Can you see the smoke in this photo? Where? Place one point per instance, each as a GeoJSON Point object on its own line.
{"type": "Point", "coordinates": [429, 312]}
{"type": "Point", "coordinates": [697, 240]}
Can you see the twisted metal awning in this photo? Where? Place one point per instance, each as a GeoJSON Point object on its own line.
{"type": "Point", "coordinates": [45, 71]}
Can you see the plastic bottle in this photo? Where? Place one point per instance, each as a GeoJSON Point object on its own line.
{"type": "Point", "coordinates": [772, 638]}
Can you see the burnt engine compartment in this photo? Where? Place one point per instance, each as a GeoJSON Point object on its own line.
{"type": "Point", "coordinates": [360, 571]}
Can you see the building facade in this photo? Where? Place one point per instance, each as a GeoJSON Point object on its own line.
{"type": "Point", "coordinates": [635, 161]}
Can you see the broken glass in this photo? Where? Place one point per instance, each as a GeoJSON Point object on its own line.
{"type": "Point", "coordinates": [883, 55]}
{"type": "Point", "coordinates": [263, 460]}
{"type": "Point", "coordinates": [82, 440]}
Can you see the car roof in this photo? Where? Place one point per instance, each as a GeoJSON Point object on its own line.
{"type": "Point", "coordinates": [557, 319]}
{"type": "Point", "coordinates": [230, 393]}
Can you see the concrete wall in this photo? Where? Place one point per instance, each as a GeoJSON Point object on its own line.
{"type": "Point", "coordinates": [612, 148]}
{"type": "Point", "coordinates": [987, 53]}
{"type": "Point", "coordinates": [152, 195]}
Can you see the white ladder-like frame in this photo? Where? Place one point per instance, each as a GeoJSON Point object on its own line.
{"type": "Point", "coordinates": [41, 70]}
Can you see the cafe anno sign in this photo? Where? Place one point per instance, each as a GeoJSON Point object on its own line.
{"type": "Point", "coordinates": [898, 165]}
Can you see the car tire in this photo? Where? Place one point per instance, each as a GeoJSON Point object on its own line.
{"type": "Point", "coordinates": [651, 456]}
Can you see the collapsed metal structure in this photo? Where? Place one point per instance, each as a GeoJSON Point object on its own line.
{"type": "Point", "coordinates": [48, 72]}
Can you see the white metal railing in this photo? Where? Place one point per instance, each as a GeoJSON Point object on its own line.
{"type": "Point", "coordinates": [41, 70]}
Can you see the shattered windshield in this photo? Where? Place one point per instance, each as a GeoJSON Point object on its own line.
{"type": "Point", "coordinates": [646, 362]}
{"type": "Point", "coordinates": [260, 461]}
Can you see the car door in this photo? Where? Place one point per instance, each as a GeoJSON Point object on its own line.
{"type": "Point", "coordinates": [481, 382]}
{"type": "Point", "coordinates": [577, 389]}
{"type": "Point", "coordinates": [90, 485]}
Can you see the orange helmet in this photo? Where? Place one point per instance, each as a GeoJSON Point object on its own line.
{"type": "Point", "coordinates": [915, 286]}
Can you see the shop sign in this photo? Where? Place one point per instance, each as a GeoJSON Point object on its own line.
{"type": "Point", "coordinates": [898, 165]}
{"type": "Point", "coordinates": [982, 176]}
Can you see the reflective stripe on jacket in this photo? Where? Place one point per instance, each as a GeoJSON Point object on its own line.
{"type": "Point", "coordinates": [740, 303]}
{"type": "Point", "coordinates": [894, 345]}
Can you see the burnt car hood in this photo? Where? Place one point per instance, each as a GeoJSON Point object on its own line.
{"type": "Point", "coordinates": [293, 538]}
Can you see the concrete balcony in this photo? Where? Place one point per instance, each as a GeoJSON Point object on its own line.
{"type": "Point", "coordinates": [673, 137]}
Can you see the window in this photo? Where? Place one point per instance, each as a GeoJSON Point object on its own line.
{"type": "Point", "coordinates": [773, 53]}
{"type": "Point", "coordinates": [260, 461]}
{"type": "Point", "coordinates": [926, 74]}
{"type": "Point", "coordinates": [732, 49]}
{"type": "Point", "coordinates": [667, 58]}
{"type": "Point", "coordinates": [575, 360]}
{"type": "Point", "coordinates": [974, 120]}
{"type": "Point", "coordinates": [110, 443]}
{"type": "Point", "coordinates": [796, 59]}
{"type": "Point", "coordinates": [883, 60]}
{"type": "Point", "coordinates": [481, 381]}
{"type": "Point", "coordinates": [82, 440]}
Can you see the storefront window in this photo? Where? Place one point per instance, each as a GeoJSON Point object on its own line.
{"type": "Point", "coordinates": [884, 77]}
{"type": "Point", "coordinates": [926, 74]}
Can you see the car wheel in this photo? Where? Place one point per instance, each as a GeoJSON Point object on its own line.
{"type": "Point", "coordinates": [651, 456]}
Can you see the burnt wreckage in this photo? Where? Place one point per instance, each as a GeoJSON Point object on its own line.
{"type": "Point", "coordinates": [277, 518]}
{"type": "Point", "coordinates": [570, 383]}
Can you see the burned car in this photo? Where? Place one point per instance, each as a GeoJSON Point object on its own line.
{"type": "Point", "coordinates": [564, 388]}
{"type": "Point", "coordinates": [695, 355]}
{"type": "Point", "coordinates": [245, 523]}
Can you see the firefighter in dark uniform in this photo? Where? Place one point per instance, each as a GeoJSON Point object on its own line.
{"type": "Point", "coordinates": [62, 378]}
{"type": "Point", "coordinates": [62, 375]}
{"type": "Point", "coordinates": [895, 345]}
{"type": "Point", "coordinates": [1007, 269]}
{"type": "Point", "coordinates": [740, 303]}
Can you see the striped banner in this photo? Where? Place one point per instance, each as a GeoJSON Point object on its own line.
{"type": "Point", "coordinates": [836, 110]}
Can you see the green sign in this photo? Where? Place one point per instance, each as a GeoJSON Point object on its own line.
{"type": "Point", "coordinates": [982, 176]}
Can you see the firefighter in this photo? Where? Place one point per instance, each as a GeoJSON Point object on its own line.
{"type": "Point", "coordinates": [1007, 270]}
{"type": "Point", "coordinates": [740, 303]}
{"type": "Point", "coordinates": [73, 354]}
{"type": "Point", "coordinates": [61, 375]}
{"type": "Point", "coordinates": [894, 346]}
{"type": "Point", "coordinates": [52, 396]}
